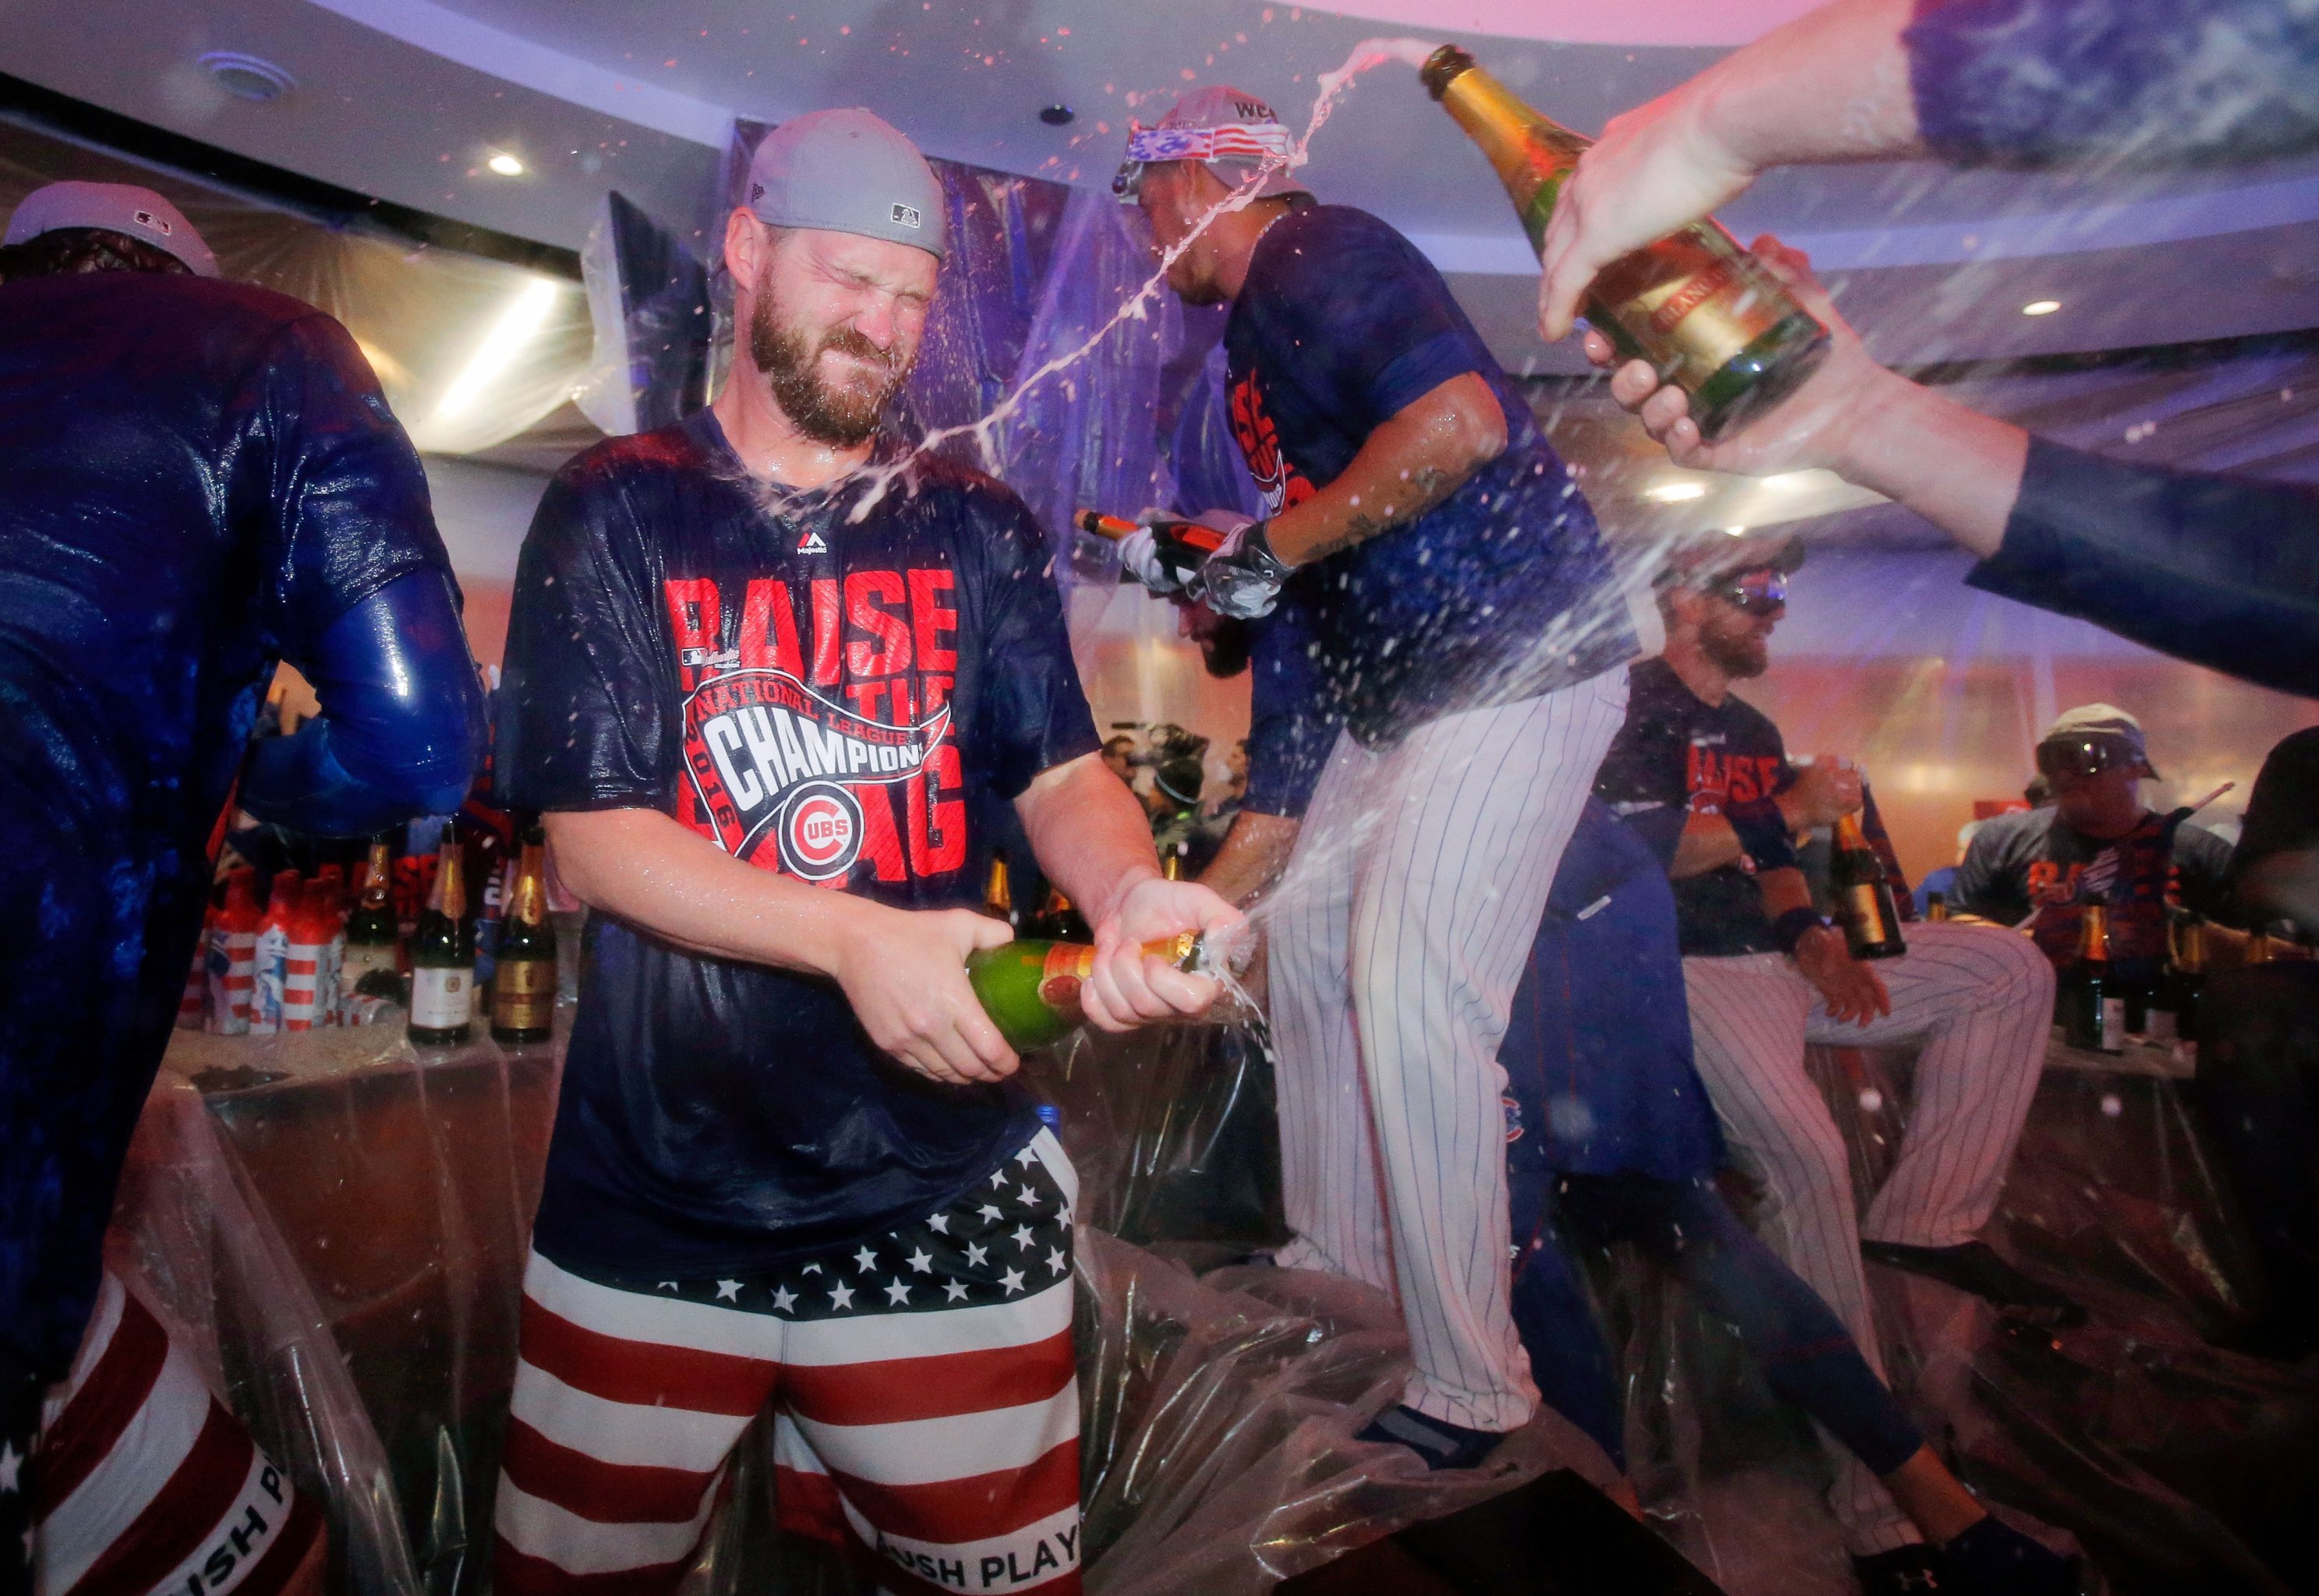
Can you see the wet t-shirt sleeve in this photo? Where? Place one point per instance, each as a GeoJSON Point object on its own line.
{"type": "Point", "coordinates": [332, 478]}
{"type": "Point", "coordinates": [2051, 82]}
{"type": "Point", "coordinates": [585, 720]}
{"type": "Point", "coordinates": [1033, 715]}
{"type": "Point", "coordinates": [1372, 326]}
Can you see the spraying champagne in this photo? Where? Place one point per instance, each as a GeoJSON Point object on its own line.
{"type": "Point", "coordinates": [1702, 311]}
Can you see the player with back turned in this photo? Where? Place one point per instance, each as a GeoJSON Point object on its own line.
{"type": "Point", "coordinates": [202, 479]}
{"type": "Point", "coordinates": [1461, 603]}
{"type": "Point", "coordinates": [749, 684]}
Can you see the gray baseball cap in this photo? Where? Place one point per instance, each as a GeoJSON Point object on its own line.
{"type": "Point", "coordinates": [1229, 130]}
{"type": "Point", "coordinates": [120, 208]}
{"type": "Point", "coordinates": [2098, 725]}
{"type": "Point", "coordinates": [847, 172]}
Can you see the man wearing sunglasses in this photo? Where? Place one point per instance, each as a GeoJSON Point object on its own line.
{"type": "Point", "coordinates": [1705, 777]}
{"type": "Point", "coordinates": [2099, 843]}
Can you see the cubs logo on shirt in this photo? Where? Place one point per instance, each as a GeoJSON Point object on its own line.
{"type": "Point", "coordinates": [766, 753]}
{"type": "Point", "coordinates": [819, 733]}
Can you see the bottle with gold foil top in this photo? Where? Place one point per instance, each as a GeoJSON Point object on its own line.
{"type": "Point", "coordinates": [2093, 1010]}
{"type": "Point", "coordinates": [443, 958]}
{"type": "Point", "coordinates": [1030, 987]}
{"type": "Point", "coordinates": [1864, 905]}
{"type": "Point", "coordinates": [523, 985]}
{"type": "Point", "coordinates": [998, 893]}
{"type": "Point", "coordinates": [1706, 314]}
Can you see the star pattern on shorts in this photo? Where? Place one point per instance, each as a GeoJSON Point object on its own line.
{"type": "Point", "coordinates": [960, 1254]}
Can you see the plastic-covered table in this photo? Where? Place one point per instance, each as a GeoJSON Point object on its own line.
{"type": "Point", "coordinates": [337, 1226]}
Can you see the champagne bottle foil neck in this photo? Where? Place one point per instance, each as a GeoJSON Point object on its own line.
{"type": "Point", "coordinates": [1442, 66]}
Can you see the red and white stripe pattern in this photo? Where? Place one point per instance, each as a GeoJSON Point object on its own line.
{"type": "Point", "coordinates": [144, 1483]}
{"type": "Point", "coordinates": [194, 1004]}
{"type": "Point", "coordinates": [232, 967]}
{"type": "Point", "coordinates": [926, 1406]}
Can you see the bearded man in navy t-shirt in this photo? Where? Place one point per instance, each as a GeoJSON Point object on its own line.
{"type": "Point", "coordinates": [755, 664]}
{"type": "Point", "coordinates": [1463, 611]}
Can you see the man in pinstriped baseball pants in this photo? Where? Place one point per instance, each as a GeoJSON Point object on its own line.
{"type": "Point", "coordinates": [1705, 774]}
{"type": "Point", "coordinates": [1464, 615]}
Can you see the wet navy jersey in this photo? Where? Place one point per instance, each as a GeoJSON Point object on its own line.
{"type": "Point", "coordinates": [1501, 592]}
{"type": "Point", "coordinates": [197, 478]}
{"type": "Point", "coordinates": [1678, 756]}
{"type": "Point", "coordinates": [815, 698]}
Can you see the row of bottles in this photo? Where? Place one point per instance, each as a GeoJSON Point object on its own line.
{"type": "Point", "coordinates": [2100, 1007]}
{"type": "Point", "coordinates": [443, 962]}
{"type": "Point", "coordinates": [303, 960]}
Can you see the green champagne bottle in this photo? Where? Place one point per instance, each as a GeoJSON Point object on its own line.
{"type": "Point", "coordinates": [523, 985]}
{"type": "Point", "coordinates": [443, 959]}
{"type": "Point", "coordinates": [1030, 987]}
{"type": "Point", "coordinates": [2093, 1013]}
{"type": "Point", "coordinates": [1864, 905]}
{"type": "Point", "coordinates": [372, 935]}
{"type": "Point", "coordinates": [1703, 311]}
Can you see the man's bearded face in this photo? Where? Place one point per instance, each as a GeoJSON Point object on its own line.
{"type": "Point", "coordinates": [832, 382]}
{"type": "Point", "coordinates": [1739, 644]}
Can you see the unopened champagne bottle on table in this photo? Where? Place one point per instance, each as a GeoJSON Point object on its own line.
{"type": "Point", "coordinates": [443, 959]}
{"type": "Point", "coordinates": [2093, 1012]}
{"type": "Point", "coordinates": [1030, 987]}
{"type": "Point", "coordinates": [1706, 314]}
{"type": "Point", "coordinates": [372, 935]}
{"type": "Point", "coordinates": [1864, 905]}
{"type": "Point", "coordinates": [523, 985]}
{"type": "Point", "coordinates": [998, 892]}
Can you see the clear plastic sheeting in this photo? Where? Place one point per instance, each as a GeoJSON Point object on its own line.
{"type": "Point", "coordinates": [341, 1234]}
{"type": "Point", "coordinates": [200, 1244]}
{"type": "Point", "coordinates": [395, 1200]}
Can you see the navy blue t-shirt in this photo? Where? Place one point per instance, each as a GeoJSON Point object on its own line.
{"type": "Point", "coordinates": [1676, 756]}
{"type": "Point", "coordinates": [200, 478]}
{"type": "Point", "coordinates": [817, 699]}
{"type": "Point", "coordinates": [1293, 718]}
{"type": "Point", "coordinates": [1501, 592]}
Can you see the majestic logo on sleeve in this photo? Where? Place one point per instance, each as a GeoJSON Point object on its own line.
{"type": "Point", "coordinates": [765, 753]}
{"type": "Point", "coordinates": [1282, 485]}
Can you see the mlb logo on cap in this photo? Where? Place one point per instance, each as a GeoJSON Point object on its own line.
{"type": "Point", "coordinates": [120, 208]}
{"type": "Point", "coordinates": [906, 215]}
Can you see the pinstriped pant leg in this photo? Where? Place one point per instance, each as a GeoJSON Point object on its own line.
{"type": "Point", "coordinates": [1980, 1000]}
{"type": "Point", "coordinates": [1748, 1017]}
{"type": "Point", "coordinates": [1328, 1165]}
{"type": "Point", "coordinates": [1476, 809]}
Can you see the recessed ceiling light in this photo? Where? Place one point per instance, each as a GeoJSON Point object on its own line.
{"type": "Point", "coordinates": [246, 77]}
{"type": "Point", "coordinates": [1058, 116]}
{"type": "Point", "coordinates": [505, 165]}
{"type": "Point", "coordinates": [2040, 307]}
{"type": "Point", "coordinates": [1676, 492]}
{"type": "Point", "coordinates": [1735, 531]}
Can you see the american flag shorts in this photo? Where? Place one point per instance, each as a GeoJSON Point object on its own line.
{"type": "Point", "coordinates": [144, 1484]}
{"type": "Point", "coordinates": [922, 1386]}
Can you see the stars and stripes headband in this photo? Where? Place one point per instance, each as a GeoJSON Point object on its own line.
{"type": "Point", "coordinates": [1251, 141]}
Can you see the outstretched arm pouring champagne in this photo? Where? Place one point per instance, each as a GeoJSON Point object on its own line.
{"type": "Point", "coordinates": [2220, 571]}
